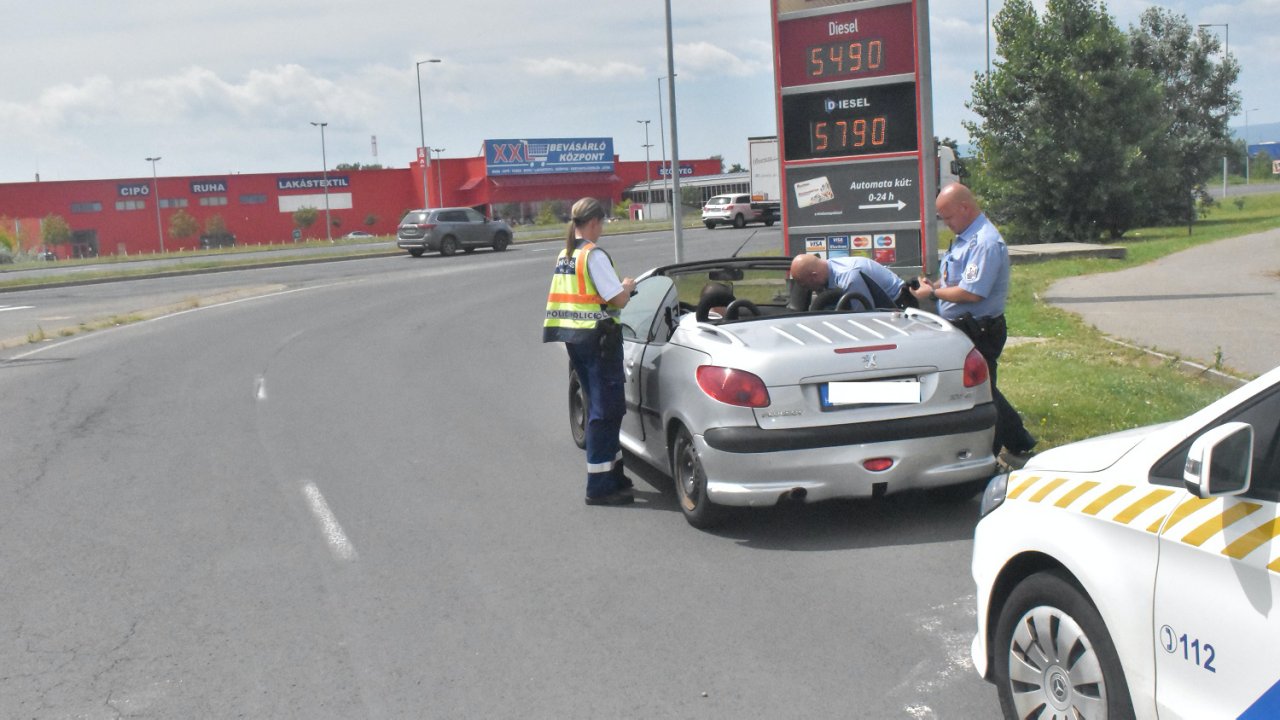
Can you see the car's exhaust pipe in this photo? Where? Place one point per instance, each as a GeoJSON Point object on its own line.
{"type": "Point", "coordinates": [796, 495]}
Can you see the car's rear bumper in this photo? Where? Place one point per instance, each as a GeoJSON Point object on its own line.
{"type": "Point", "coordinates": [758, 440]}
{"type": "Point", "coordinates": [748, 466]}
{"type": "Point", "coordinates": [423, 243]}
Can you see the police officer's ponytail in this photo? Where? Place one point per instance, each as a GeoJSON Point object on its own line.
{"type": "Point", "coordinates": [584, 211]}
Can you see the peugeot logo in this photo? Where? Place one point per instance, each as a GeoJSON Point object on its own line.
{"type": "Point", "coordinates": [869, 361]}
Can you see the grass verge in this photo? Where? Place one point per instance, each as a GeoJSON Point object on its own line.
{"type": "Point", "coordinates": [1074, 384]}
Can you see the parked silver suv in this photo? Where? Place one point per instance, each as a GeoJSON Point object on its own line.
{"type": "Point", "coordinates": [449, 229]}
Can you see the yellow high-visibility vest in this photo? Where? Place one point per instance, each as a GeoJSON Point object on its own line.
{"type": "Point", "coordinates": [574, 306]}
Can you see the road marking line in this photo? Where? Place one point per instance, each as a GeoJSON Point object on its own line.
{"type": "Point", "coordinates": [339, 545]}
{"type": "Point", "coordinates": [260, 388]}
{"type": "Point", "coordinates": [6, 308]}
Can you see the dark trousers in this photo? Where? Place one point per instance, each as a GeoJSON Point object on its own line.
{"type": "Point", "coordinates": [599, 367]}
{"type": "Point", "coordinates": [989, 336]}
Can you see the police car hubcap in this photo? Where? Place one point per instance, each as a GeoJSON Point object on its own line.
{"type": "Point", "coordinates": [1053, 669]}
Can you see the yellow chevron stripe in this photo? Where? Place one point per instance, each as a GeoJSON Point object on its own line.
{"type": "Point", "coordinates": [1154, 527]}
{"type": "Point", "coordinates": [1109, 497]}
{"type": "Point", "coordinates": [1075, 493]}
{"type": "Point", "coordinates": [1023, 487]}
{"type": "Point", "coordinates": [1048, 488]}
{"type": "Point", "coordinates": [1185, 509]}
{"type": "Point", "coordinates": [1217, 524]}
{"type": "Point", "coordinates": [1127, 515]}
{"type": "Point", "coordinates": [1275, 565]}
{"type": "Point", "coordinates": [1254, 539]}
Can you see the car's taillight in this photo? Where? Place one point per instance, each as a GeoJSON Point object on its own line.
{"type": "Point", "coordinates": [878, 464]}
{"type": "Point", "coordinates": [975, 369]}
{"type": "Point", "coordinates": [425, 226]}
{"type": "Point", "coordinates": [733, 387]}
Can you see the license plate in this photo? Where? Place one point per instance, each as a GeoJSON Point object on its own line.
{"type": "Point", "coordinates": [871, 392]}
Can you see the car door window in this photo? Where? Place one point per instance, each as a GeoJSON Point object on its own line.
{"type": "Point", "coordinates": [638, 317]}
{"type": "Point", "coordinates": [1263, 413]}
{"type": "Point", "coordinates": [473, 216]}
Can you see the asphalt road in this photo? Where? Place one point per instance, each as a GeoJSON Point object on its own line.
{"type": "Point", "coordinates": [351, 492]}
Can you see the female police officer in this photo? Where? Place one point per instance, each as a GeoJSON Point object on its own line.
{"type": "Point", "coordinates": [582, 310]}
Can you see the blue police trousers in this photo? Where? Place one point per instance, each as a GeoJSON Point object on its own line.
{"type": "Point", "coordinates": [599, 368]}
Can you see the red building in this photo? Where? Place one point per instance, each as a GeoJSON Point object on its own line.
{"type": "Point", "coordinates": [120, 216]}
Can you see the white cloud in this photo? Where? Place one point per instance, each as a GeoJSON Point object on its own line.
{"type": "Point", "coordinates": [702, 60]}
{"type": "Point", "coordinates": [559, 67]}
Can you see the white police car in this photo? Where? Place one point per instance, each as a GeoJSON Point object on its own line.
{"type": "Point", "coordinates": [1138, 574]}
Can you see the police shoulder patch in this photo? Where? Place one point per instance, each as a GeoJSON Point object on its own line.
{"type": "Point", "coordinates": [971, 272]}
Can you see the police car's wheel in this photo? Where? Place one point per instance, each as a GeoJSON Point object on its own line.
{"type": "Point", "coordinates": [691, 483]}
{"type": "Point", "coordinates": [577, 411]}
{"type": "Point", "coordinates": [1054, 657]}
{"type": "Point", "coordinates": [449, 245]}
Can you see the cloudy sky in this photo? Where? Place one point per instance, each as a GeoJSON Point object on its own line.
{"type": "Point", "coordinates": [91, 88]}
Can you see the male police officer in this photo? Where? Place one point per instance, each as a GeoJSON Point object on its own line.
{"type": "Point", "coordinates": [859, 275]}
{"type": "Point", "coordinates": [971, 294]}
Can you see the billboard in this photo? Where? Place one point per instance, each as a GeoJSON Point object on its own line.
{"type": "Point", "coordinates": [548, 155]}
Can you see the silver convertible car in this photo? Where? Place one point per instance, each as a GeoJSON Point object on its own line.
{"type": "Point", "coordinates": [749, 390]}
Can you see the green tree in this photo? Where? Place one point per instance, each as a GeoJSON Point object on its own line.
{"type": "Point", "coordinates": [736, 168]}
{"type": "Point", "coordinates": [7, 241]}
{"type": "Point", "coordinates": [1066, 121]}
{"type": "Point", "coordinates": [183, 225]}
{"type": "Point", "coordinates": [1197, 103]}
{"type": "Point", "coordinates": [54, 230]}
{"type": "Point", "coordinates": [215, 225]}
{"type": "Point", "coordinates": [304, 218]}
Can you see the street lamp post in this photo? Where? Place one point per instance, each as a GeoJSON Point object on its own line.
{"type": "Point", "coordinates": [1226, 52]}
{"type": "Point", "coordinates": [662, 139]}
{"type": "Point", "coordinates": [422, 132]}
{"type": "Point", "coordinates": [676, 211]}
{"type": "Point", "coordinates": [324, 160]}
{"type": "Point", "coordinates": [155, 190]}
{"type": "Point", "coordinates": [1247, 160]}
{"type": "Point", "coordinates": [439, 176]}
{"type": "Point", "coordinates": [648, 181]}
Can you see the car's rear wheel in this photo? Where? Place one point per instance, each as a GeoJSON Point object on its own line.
{"type": "Point", "coordinates": [739, 221]}
{"type": "Point", "coordinates": [691, 483]}
{"type": "Point", "coordinates": [416, 252]}
{"type": "Point", "coordinates": [501, 241]}
{"type": "Point", "coordinates": [1054, 657]}
{"type": "Point", "coordinates": [448, 245]}
{"type": "Point", "coordinates": [710, 225]}
{"type": "Point", "coordinates": [577, 411]}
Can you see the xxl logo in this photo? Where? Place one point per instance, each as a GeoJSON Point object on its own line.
{"type": "Point", "coordinates": [510, 153]}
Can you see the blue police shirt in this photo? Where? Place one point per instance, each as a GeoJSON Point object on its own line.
{"type": "Point", "coordinates": [846, 273]}
{"type": "Point", "coordinates": [978, 262]}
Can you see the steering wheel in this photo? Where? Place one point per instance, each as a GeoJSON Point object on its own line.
{"type": "Point", "coordinates": [823, 300]}
{"type": "Point", "coordinates": [731, 312]}
{"type": "Point", "coordinates": [846, 301]}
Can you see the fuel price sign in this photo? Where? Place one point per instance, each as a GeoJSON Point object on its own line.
{"type": "Point", "coordinates": [846, 46]}
{"type": "Point", "coordinates": [867, 120]}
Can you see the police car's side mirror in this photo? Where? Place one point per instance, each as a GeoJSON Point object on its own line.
{"type": "Point", "coordinates": [1220, 461]}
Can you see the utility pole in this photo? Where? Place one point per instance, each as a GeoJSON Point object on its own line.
{"type": "Point", "coordinates": [648, 182]}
